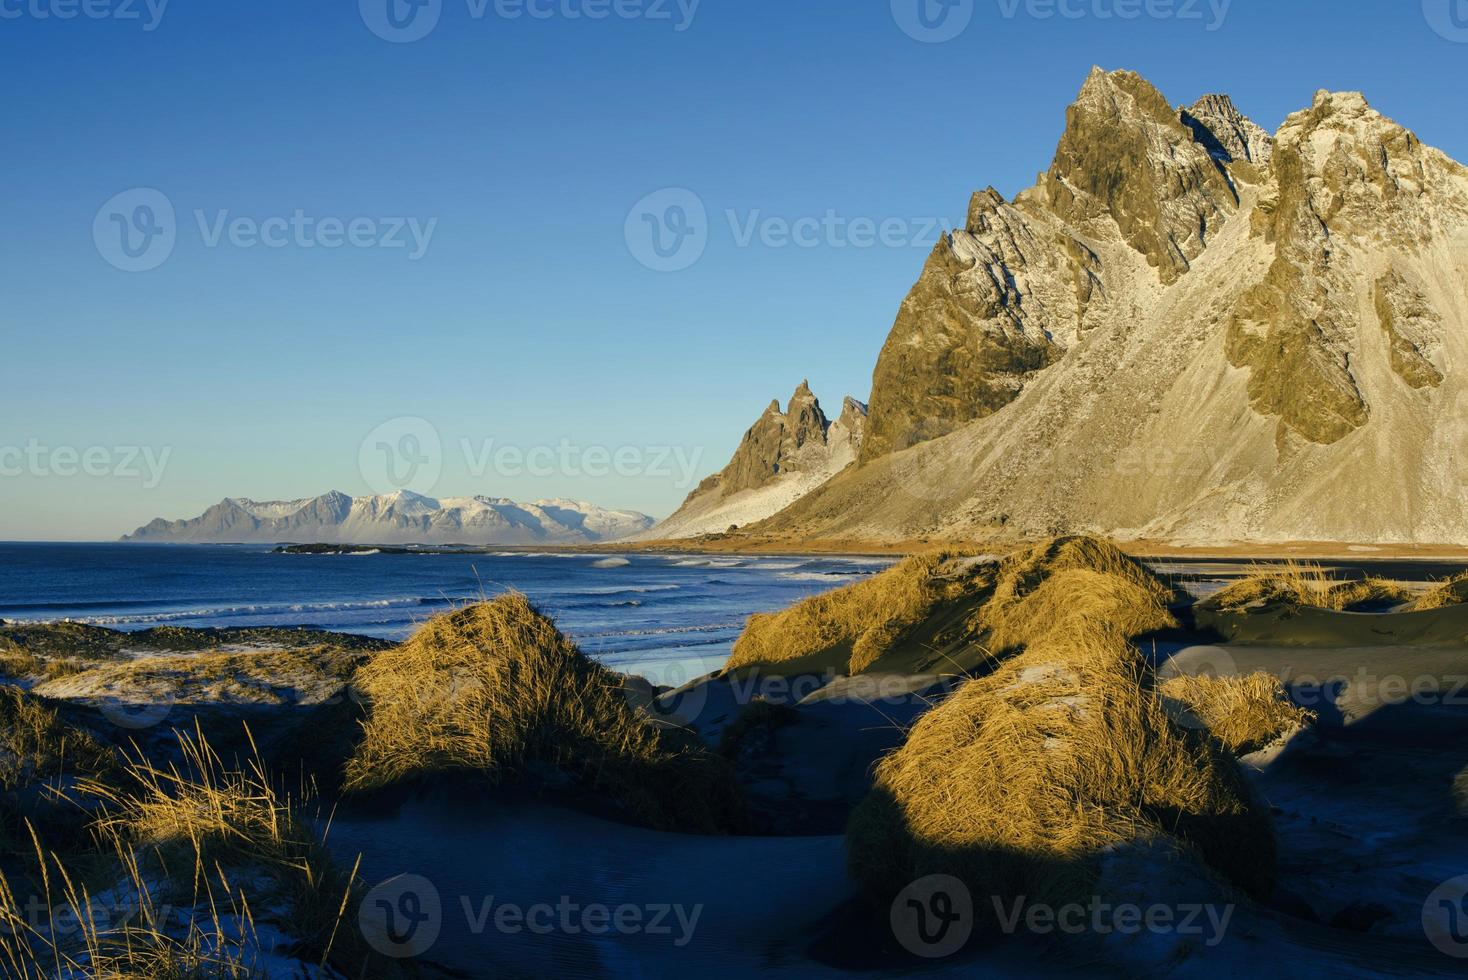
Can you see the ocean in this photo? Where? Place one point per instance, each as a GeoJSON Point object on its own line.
{"type": "Point", "coordinates": [669, 617]}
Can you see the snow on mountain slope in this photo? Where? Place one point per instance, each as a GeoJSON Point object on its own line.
{"type": "Point", "coordinates": [402, 517]}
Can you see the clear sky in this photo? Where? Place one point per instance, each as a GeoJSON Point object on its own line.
{"type": "Point", "coordinates": [452, 227]}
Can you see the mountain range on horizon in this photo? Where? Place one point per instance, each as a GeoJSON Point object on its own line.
{"type": "Point", "coordinates": [398, 518]}
{"type": "Point", "coordinates": [1188, 331]}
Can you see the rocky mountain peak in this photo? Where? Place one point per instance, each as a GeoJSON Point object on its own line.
{"type": "Point", "coordinates": [775, 440]}
{"type": "Point", "coordinates": [783, 455]}
{"type": "Point", "coordinates": [804, 421]}
{"type": "Point", "coordinates": [1127, 157]}
{"type": "Point", "coordinates": [1124, 92]}
{"type": "Point", "coordinates": [983, 209]}
{"type": "Point", "coordinates": [1005, 297]}
{"type": "Point", "coordinates": [1355, 196]}
{"type": "Point", "coordinates": [1008, 296]}
{"type": "Point", "coordinates": [1227, 133]}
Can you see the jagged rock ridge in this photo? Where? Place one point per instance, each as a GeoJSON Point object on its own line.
{"type": "Point", "coordinates": [784, 455]}
{"type": "Point", "coordinates": [1226, 133]}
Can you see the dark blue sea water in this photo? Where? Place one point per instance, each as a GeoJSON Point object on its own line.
{"type": "Point", "coordinates": [669, 617]}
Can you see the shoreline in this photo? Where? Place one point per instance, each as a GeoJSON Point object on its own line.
{"type": "Point", "coordinates": [1142, 548]}
{"type": "Point", "coordinates": [775, 546]}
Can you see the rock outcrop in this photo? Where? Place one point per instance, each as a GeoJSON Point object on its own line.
{"type": "Point", "coordinates": [1226, 133]}
{"type": "Point", "coordinates": [784, 455]}
{"type": "Point", "coordinates": [1127, 158]}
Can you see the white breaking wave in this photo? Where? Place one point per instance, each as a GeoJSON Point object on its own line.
{"type": "Point", "coordinates": [234, 612]}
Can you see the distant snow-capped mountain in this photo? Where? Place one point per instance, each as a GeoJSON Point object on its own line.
{"type": "Point", "coordinates": [399, 518]}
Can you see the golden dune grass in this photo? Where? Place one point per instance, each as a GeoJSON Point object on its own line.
{"type": "Point", "coordinates": [1305, 584]}
{"type": "Point", "coordinates": [36, 744]}
{"type": "Point", "coordinates": [1068, 595]}
{"type": "Point", "coordinates": [1060, 583]}
{"type": "Point", "coordinates": [19, 664]}
{"type": "Point", "coordinates": [1245, 714]}
{"type": "Point", "coordinates": [870, 616]}
{"type": "Point", "coordinates": [1024, 571]}
{"type": "Point", "coordinates": [303, 675]}
{"type": "Point", "coordinates": [1453, 592]}
{"type": "Point", "coordinates": [1019, 596]}
{"type": "Point", "coordinates": [1348, 596]}
{"type": "Point", "coordinates": [196, 852]}
{"type": "Point", "coordinates": [495, 688]}
{"type": "Point", "coordinates": [1023, 779]}
{"type": "Point", "coordinates": [1020, 781]}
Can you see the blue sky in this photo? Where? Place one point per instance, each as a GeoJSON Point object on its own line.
{"type": "Point", "coordinates": [519, 147]}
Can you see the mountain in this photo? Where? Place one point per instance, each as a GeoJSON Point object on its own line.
{"type": "Point", "coordinates": [399, 518]}
{"type": "Point", "coordinates": [784, 455]}
{"type": "Point", "coordinates": [1188, 330]}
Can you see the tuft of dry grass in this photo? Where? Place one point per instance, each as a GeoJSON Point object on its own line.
{"type": "Point", "coordinates": [17, 664]}
{"type": "Point", "coordinates": [81, 937]}
{"type": "Point", "coordinates": [1024, 571]}
{"type": "Point", "coordinates": [1453, 592]}
{"type": "Point", "coordinates": [36, 744]}
{"type": "Point", "coordinates": [1367, 593]}
{"type": "Point", "coordinates": [1069, 580]}
{"type": "Point", "coordinates": [218, 814]}
{"type": "Point", "coordinates": [496, 690]}
{"type": "Point", "coordinates": [870, 617]}
{"type": "Point", "coordinates": [1293, 582]}
{"type": "Point", "coordinates": [1306, 584]}
{"type": "Point", "coordinates": [1000, 605]}
{"type": "Point", "coordinates": [1024, 780]}
{"type": "Point", "coordinates": [1245, 714]}
{"type": "Point", "coordinates": [1021, 781]}
{"type": "Point", "coordinates": [56, 670]}
{"type": "Point", "coordinates": [191, 857]}
{"type": "Point", "coordinates": [1068, 595]}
